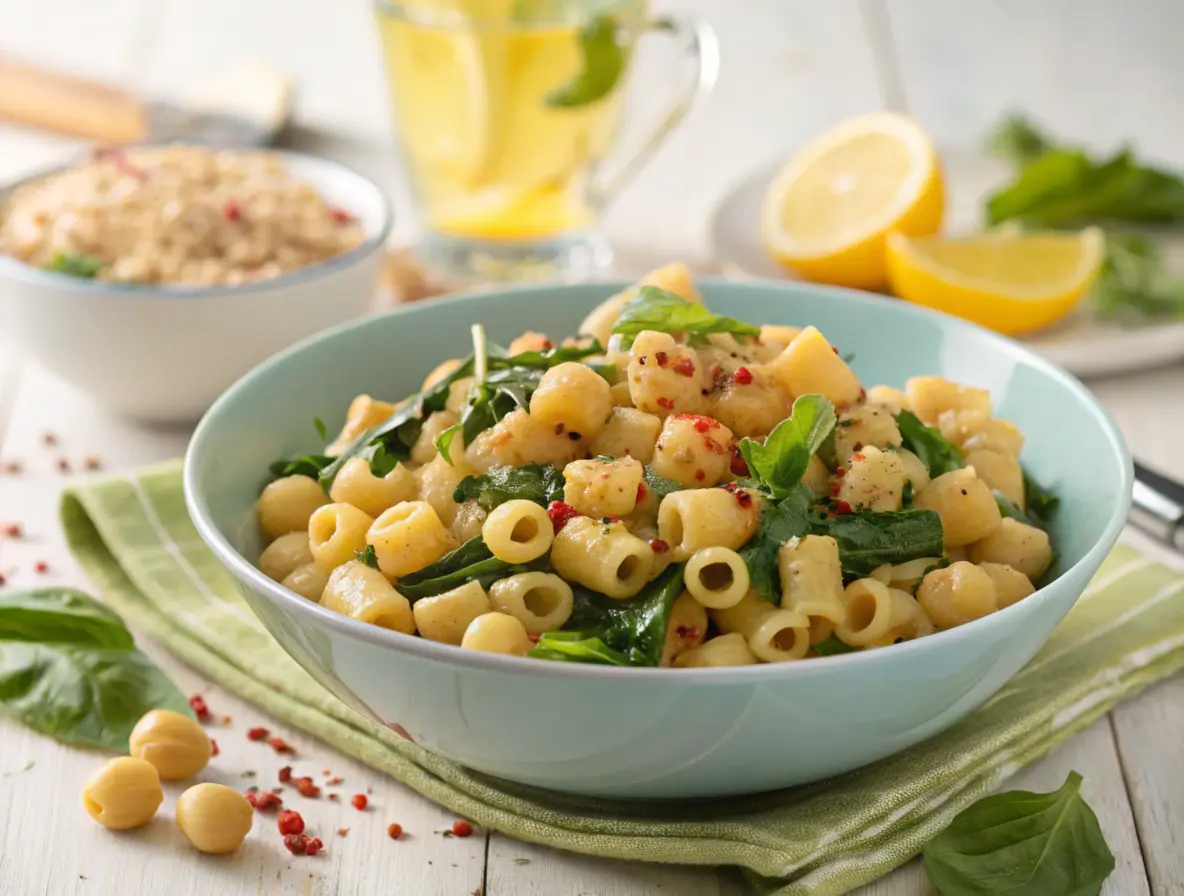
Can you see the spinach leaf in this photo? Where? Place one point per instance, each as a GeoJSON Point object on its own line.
{"type": "Point", "coordinates": [472, 561]}
{"type": "Point", "coordinates": [503, 392]}
{"type": "Point", "coordinates": [69, 669]}
{"type": "Point", "coordinates": [501, 484]}
{"type": "Point", "coordinates": [604, 60]}
{"type": "Point", "coordinates": [367, 556]}
{"type": "Point", "coordinates": [868, 539]}
{"type": "Point", "coordinates": [1022, 844]}
{"type": "Point", "coordinates": [634, 629]}
{"type": "Point", "coordinates": [309, 465]}
{"type": "Point", "coordinates": [781, 461]}
{"type": "Point", "coordinates": [937, 452]}
{"type": "Point", "coordinates": [75, 265]}
{"type": "Point", "coordinates": [573, 647]}
{"type": "Point", "coordinates": [664, 312]}
{"type": "Point", "coordinates": [659, 485]}
{"type": "Point", "coordinates": [544, 359]}
{"type": "Point", "coordinates": [780, 521]}
{"type": "Point", "coordinates": [832, 646]}
{"type": "Point", "coordinates": [1041, 504]}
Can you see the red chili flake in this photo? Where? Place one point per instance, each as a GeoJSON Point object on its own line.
{"type": "Point", "coordinates": [862, 394]}
{"type": "Point", "coordinates": [198, 704]}
{"type": "Point", "coordinates": [91, 463]}
{"type": "Point", "coordinates": [687, 633]}
{"type": "Point", "coordinates": [281, 746]}
{"type": "Point", "coordinates": [289, 822]}
{"type": "Point", "coordinates": [394, 831]}
{"type": "Point", "coordinates": [257, 734]}
{"type": "Point", "coordinates": [326, 772]}
{"type": "Point", "coordinates": [548, 345]}
{"type": "Point", "coordinates": [700, 475]}
{"type": "Point", "coordinates": [13, 467]}
{"type": "Point", "coordinates": [335, 780]}
{"type": "Point", "coordinates": [843, 507]}
{"type": "Point", "coordinates": [461, 829]}
{"type": "Point", "coordinates": [739, 466]}
{"type": "Point", "coordinates": [834, 488]}
{"type": "Point", "coordinates": [641, 492]}
{"type": "Point", "coordinates": [340, 216]}
{"type": "Point", "coordinates": [662, 358]}
{"type": "Point", "coordinates": [841, 472]}
{"type": "Point", "coordinates": [252, 797]}
{"type": "Point", "coordinates": [561, 514]}
{"type": "Point", "coordinates": [713, 446]}
{"type": "Point", "coordinates": [13, 530]}
{"type": "Point", "coordinates": [313, 846]}
{"type": "Point", "coordinates": [41, 567]}
{"type": "Point", "coordinates": [232, 211]}
{"type": "Point", "coordinates": [658, 546]}
{"type": "Point", "coordinates": [63, 465]}
{"type": "Point", "coordinates": [334, 797]}
{"type": "Point", "coordinates": [286, 774]}
{"type": "Point", "coordinates": [684, 367]}
{"type": "Point", "coordinates": [533, 638]}
{"type": "Point", "coordinates": [307, 788]}
{"type": "Point", "coordinates": [666, 403]}
{"type": "Point", "coordinates": [834, 349]}
{"type": "Point", "coordinates": [214, 751]}
{"type": "Point", "coordinates": [341, 832]}
{"type": "Point", "coordinates": [559, 427]}
{"type": "Point", "coordinates": [702, 423]}
{"type": "Point", "coordinates": [2, 579]}
{"type": "Point", "coordinates": [49, 440]}
{"type": "Point", "coordinates": [265, 802]}
{"type": "Point", "coordinates": [743, 498]}
{"type": "Point", "coordinates": [225, 720]}
{"type": "Point", "coordinates": [857, 455]}
{"type": "Point", "coordinates": [359, 801]}
{"type": "Point", "coordinates": [295, 844]}
{"type": "Point", "coordinates": [742, 376]}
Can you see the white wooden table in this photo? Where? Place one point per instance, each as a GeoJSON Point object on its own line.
{"type": "Point", "coordinates": [813, 63]}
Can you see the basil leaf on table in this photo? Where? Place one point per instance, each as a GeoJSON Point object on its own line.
{"type": "Point", "coordinates": [1022, 844]}
{"type": "Point", "coordinates": [780, 462]}
{"type": "Point", "coordinates": [69, 669]}
{"type": "Point", "coordinates": [604, 60]}
{"type": "Point", "coordinates": [664, 312]}
{"type": "Point", "coordinates": [937, 453]}
{"type": "Point", "coordinates": [540, 484]}
{"type": "Point", "coordinates": [472, 561]}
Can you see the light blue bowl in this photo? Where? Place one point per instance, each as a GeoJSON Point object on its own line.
{"type": "Point", "coordinates": [635, 733]}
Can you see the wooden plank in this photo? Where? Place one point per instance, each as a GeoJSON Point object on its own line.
{"type": "Point", "coordinates": [47, 851]}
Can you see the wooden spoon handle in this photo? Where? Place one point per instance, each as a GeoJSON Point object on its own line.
{"type": "Point", "coordinates": [69, 105]}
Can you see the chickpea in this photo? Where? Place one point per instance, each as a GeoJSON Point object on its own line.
{"type": "Point", "coordinates": [174, 743]}
{"type": "Point", "coordinates": [214, 817]}
{"type": "Point", "coordinates": [125, 793]}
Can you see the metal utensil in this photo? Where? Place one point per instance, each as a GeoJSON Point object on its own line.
{"type": "Point", "coordinates": [1158, 506]}
{"type": "Point", "coordinates": [244, 106]}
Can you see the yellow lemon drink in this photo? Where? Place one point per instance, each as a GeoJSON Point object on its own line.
{"type": "Point", "coordinates": [504, 109]}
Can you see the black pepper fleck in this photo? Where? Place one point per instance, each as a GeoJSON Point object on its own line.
{"type": "Point", "coordinates": [574, 436]}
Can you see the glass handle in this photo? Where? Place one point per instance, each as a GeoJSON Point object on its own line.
{"type": "Point", "coordinates": [701, 48]}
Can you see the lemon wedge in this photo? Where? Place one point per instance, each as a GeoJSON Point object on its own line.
{"type": "Point", "coordinates": [827, 215]}
{"type": "Point", "coordinates": [1009, 282]}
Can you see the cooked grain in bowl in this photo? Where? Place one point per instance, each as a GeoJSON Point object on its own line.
{"type": "Point", "coordinates": [177, 214]}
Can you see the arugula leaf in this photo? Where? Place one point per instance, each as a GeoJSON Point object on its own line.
{"type": "Point", "coordinates": [780, 521]}
{"type": "Point", "coordinates": [664, 312]}
{"type": "Point", "coordinates": [868, 539]}
{"type": "Point", "coordinates": [75, 265]}
{"type": "Point", "coordinates": [938, 453]}
{"type": "Point", "coordinates": [781, 461]}
{"type": "Point", "coordinates": [546, 358]}
{"type": "Point", "coordinates": [832, 646]}
{"type": "Point", "coordinates": [1022, 844]}
{"type": "Point", "coordinates": [367, 556]}
{"type": "Point", "coordinates": [69, 669]}
{"type": "Point", "coordinates": [634, 629]}
{"type": "Point", "coordinates": [501, 484]}
{"type": "Point", "coordinates": [604, 60]}
{"type": "Point", "coordinates": [309, 465]}
{"type": "Point", "coordinates": [472, 561]}
{"type": "Point", "coordinates": [574, 647]}
{"type": "Point", "coordinates": [659, 485]}
{"type": "Point", "coordinates": [1041, 504]}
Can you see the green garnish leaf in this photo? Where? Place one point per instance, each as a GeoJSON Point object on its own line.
{"type": "Point", "coordinates": [1018, 140]}
{"type": "Point", "coordinates": [367, 556]}
{"type": "Point", "coordinates": [937, 453]}
{"type": "Point", "coordinates": [1134, 279]}
{"type": "Point", "coordinates": [472, 561]}
{"type": "Point", "coordinates": [69, 669]}
{"type": "Point", "coordinates": [75, 265]}
{"type": "Point", "coordinates": [780, 521]}
{"type": "Point", "coordinates": [659, 485]}
{"type": "Point", "coordinates": [781, 461]}
{"type": "Point", "coordinates": [575, 647]}
{"type": "Point", "coordinates": [832, 646]}
{"type": "Point", "coordinates": [536, 483]}
{"type": "Point", "coordinates": [1041, 504]}
{"type": "Point", "coordinates": [322, 430]}
{"type": "Point", "coordinates": [664, 312]}
{"type": "Point", "coordinates": [868, 539]}
{"type": "Point", "coordinates": [604, 59]}
{"type": "Point", "coordinates": [310, 465]}
{"type": "Point", "coordinates": [1022, 844]}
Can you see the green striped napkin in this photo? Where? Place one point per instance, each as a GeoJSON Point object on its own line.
{"type": "Point", "coordinates": [134, 537]}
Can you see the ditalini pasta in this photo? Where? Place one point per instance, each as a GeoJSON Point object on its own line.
{"type": "Point", "coordinates": [669, 487]}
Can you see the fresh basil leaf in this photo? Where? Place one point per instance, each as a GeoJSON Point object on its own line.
{"type": "Point", "coordinates": [659, 485]}
{"type": "Point", "coordinates": [604, 59]}
{"type": "Point", "coordinates": [664, 312]}
{"type": "Point", "coordinates": [937, 453]}
{"type": "Point", "coordinates": [536, 483]}
{"type": "Point", "coordinates": [780, 521]}
{"type": "Point", "coordinates": [368, 556]}
{"type": "Point", "coordinates": [68, 668]}
{"type": "Point", "coordinates": [1022, 844]}
{"type": "Point", "coordinates": [309, 465]}
{"type": "Point", "coordinates": [471, 562]}
{"type": "Point", "coordinates": [832, 646]}
{"type": "Point", "coordinates": [868, 539]}
{"type": "Point", "coordinates": [576, 647]}
{"type": "Point", "coordinates": [781, 461]}
{"type": "Point", "coordinates": [75, 265]}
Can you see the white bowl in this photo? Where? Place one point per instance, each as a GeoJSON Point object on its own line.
{"type": "Point", "coordinates": [163, 353]}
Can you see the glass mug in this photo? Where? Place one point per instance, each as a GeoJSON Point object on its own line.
{"type": "Point", "coordinates": [508, 112]}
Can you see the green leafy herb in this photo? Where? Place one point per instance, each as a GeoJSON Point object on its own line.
{"type": "Point", "coordinates": [1018, 140]}
{"type": "Point", "coordinates": [69, 669]}
{"type": "Point", "coordinates": [781, 461]}
{"type": "Point", "coordinates": [907, 494]}
{"type": "Point", "coordinates": [545, 359]}
{"type": "Point", "coordinates": [472, 561]}
{"type": "Point", "coordinates": [664, 312]}
{"type": "Point", "coordinates": [1041, 504]}
{"type": "Point", "coordinates": [937, 453]}
{"type": "Point", "coordinates": [1134, 279]}
{"type": "Point", "coordinates": [832, 646]}
{"type": "Point", "coordinates": [501, 484]}
{"type": "Point", "coordinates": [309, 465]}
{"type": "Point", "coordinates": [322, 430]}
{"type": "Point", "coordinates": [75, 265]}
{"type": "Point", "coordinates": [869, 539]}
{"type": "Point", "coordinates": [659, 485]}
{"type": "Point", "coordinates": [367, 556]}
{"type": "Point", "coordinates": [1022, 844]}
{"type": "Point", "coordinates": [604, 59]}
{"type": "Point", "coordinates": [780, 521]}
{"type": "Point", "coordinates": [603, 630]}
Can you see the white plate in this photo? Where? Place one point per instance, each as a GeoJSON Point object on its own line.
{"type": "Point", "coordinates": [1082, 344]}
